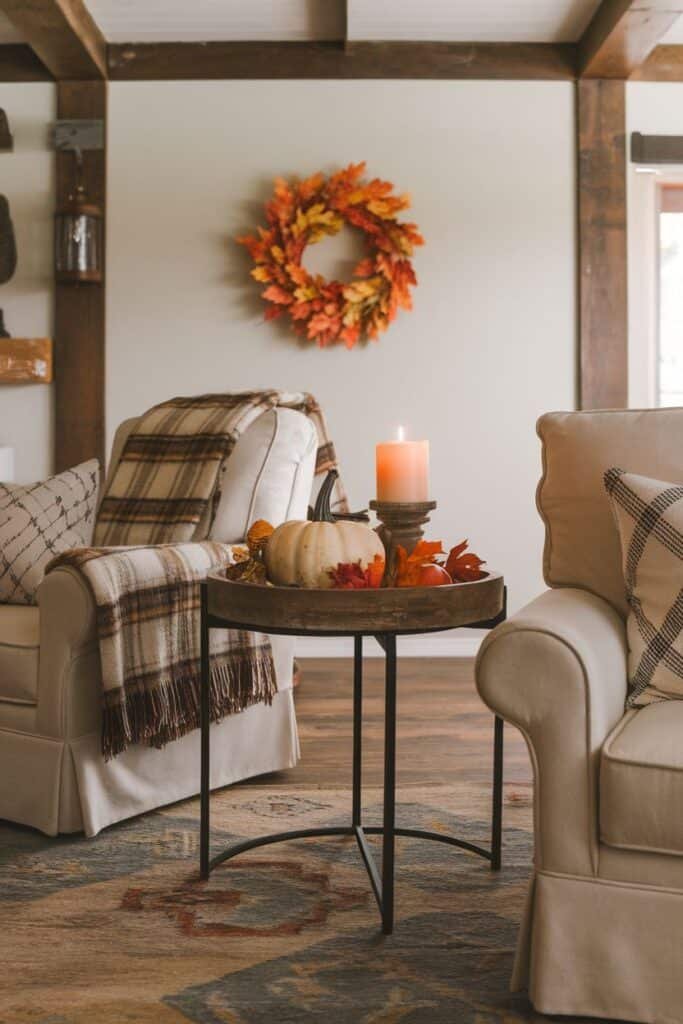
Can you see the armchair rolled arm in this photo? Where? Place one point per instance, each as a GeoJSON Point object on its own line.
{"type": "Point", "coordinates": [558, 671]}
{"type": "Point", "coordinates": [69, 670]}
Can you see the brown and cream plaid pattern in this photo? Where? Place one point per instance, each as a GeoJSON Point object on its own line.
{"type": "Point", "coordinates": [37, 521]}
{"type": "Point", "coordinates": [148, 604]}
{"type": "Point", "coordinates": [147, 592]}
{"type": "Point", "coordinates": [649, 515]}
{"type": "Point", "coordinates": [166, 479]}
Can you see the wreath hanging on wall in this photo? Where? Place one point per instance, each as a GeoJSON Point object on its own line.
{"type": "Point", "coordinates": [301, 213]}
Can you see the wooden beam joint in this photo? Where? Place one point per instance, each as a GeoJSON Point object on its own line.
{"type": "Point", "coordinates": [622, 34]}
{"type": "Point", "coordinates": [63, 34]}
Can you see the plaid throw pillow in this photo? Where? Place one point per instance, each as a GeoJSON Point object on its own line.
{"type": "Point", "coordinates": [649, 515]}
{"type": "Point", "coordinates": [39, 521]}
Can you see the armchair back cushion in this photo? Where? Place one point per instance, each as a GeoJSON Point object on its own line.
{"type": "Point", "coordinates": [582, 546]}
{"type": "Point", "coordinates": [269, 474]}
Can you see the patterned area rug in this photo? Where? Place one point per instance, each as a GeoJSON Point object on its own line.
{"type": "Point", "coordinates": [119, 928]}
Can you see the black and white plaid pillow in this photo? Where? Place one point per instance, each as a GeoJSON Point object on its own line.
{"type": "Point", "coordinates": [649, 516]}
{"type": "Point", "coordinates": [38, 521]}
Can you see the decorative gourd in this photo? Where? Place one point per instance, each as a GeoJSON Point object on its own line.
{"type": "Point", "coordinates": [300, 553]}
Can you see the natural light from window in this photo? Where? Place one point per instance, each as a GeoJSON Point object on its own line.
{"type": "Point", "coordinates": [670, 369]}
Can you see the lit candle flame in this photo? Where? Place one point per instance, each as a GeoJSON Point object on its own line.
{"type": "Point", "coordinates": [401, 434]}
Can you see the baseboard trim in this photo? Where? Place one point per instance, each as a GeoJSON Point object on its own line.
{"type": "Point", "coordinates": [425, 646]}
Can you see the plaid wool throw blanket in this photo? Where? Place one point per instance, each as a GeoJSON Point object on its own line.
{"type": "Point", "coordinates": [165, 484]}
{"type": "Point", "coordinates": [150, 557]}
{"type": "Point", "coordinates": [148, 603]}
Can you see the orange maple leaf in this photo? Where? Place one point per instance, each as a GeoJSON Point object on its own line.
{"type": "Point", "coordinates": [408, 565]}
{"type": "Point", "coordinates": [274, 293]}
{"type": "Point", "coordinates": [366, 268]}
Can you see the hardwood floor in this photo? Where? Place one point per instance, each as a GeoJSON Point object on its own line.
{"type": "Point", "coordinates": [444, 731]}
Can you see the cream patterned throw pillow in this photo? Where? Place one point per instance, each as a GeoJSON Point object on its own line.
{"type": "Point", "coordinates": [649, 515]}
{"type": "Point", "coordinates": [39, 521]}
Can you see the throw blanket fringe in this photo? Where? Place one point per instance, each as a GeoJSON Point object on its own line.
{"type": "Point", "coordinates": [171, 710]}
{"type": "Point", "coordinates": [147, 603]}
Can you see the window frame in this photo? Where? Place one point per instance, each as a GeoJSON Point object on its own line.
{"type": "Point", "coordinates": [674, 186]}
{"type": "Point", "coordinates": [646, 187]}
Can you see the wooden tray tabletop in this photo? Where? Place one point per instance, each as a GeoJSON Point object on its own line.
{"type": "Point", "coordinates": [336, 612]}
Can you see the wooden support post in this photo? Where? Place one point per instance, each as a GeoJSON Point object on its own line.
{"type": "Point", "coordinates": [80, 308]}
{"type": "Point", "coordinates": [603, 316]}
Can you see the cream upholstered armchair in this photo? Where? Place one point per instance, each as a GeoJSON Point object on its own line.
{"type": "Point", "coordinates": [603, 934]}
{"type": "Point", "coordinates": [52, 774]}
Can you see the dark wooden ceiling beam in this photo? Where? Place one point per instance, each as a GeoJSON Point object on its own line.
{"type": "Point", "coordinates": [622, 34]}
{"type": "Point", "coordinates": [266, 60]}
{"type": "Point", "coordinates": [665, 64]}
{"type": "Point", "coordinates": [63, 35]}
{"type": "Point", "coordinates": [18, 63]}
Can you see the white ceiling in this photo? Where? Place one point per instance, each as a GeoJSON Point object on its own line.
{"type": "Point", "coordinates": [675, 33]}
{"type": "Point", "coordinates": [466, 20]}
{"type": "Point", "coordinates": [545, 21]}
{"type": "Point", "coordinates": [138, 21]}
{"type": "Point", "coordinates": [446, 20]}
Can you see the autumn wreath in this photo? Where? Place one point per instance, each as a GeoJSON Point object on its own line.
{"type": "Point", "coordinates": [303, 212]}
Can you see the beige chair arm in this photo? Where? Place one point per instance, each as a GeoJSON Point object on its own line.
{"type": "Point", "coordinates": [558, 671]}
{"type": "Point", "coordinates": [69, 685]}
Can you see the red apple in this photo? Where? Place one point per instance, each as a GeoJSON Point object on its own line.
{"type": "Point", "coordinates": [432, 575]}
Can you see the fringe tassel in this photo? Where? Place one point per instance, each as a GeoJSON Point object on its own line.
{"type": "Point", "coordinates": [171, 709]}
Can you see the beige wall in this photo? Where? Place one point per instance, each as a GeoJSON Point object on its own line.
{"type": "Point", "coordinates": [491, 341]}
{"type": "Point", "coordinates": [27, 179]}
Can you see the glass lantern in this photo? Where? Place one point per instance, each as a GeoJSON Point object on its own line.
{"type": "Point", "coordinates": [79, 240]}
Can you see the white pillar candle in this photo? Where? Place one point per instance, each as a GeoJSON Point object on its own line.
{"type": "Point", "coordinates": [403, 470]}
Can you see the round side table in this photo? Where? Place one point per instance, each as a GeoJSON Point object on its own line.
{"type": "Point", "coordinates": [384, 614]}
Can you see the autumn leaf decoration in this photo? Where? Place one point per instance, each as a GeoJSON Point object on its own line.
{"type": "Point", "coordinates": [352, 576]}
{"type": "Point", "coordinates": [301, 213]}
{"type": "Point", "coordinates": [463, 566]}
{"type": "Point", "coordinates": [408, 565]}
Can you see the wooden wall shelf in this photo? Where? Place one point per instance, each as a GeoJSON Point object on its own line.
{"type": "Point", "coordinates": [25, 360]}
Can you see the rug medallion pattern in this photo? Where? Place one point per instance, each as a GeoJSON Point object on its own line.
{"type": "Point", "coordinates": [119, 928]}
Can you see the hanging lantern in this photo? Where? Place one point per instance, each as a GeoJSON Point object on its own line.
{"type": "Point", "coordinates": [79, 236]}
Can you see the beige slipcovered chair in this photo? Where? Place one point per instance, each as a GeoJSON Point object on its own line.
{"type": "Point", "coordinates": [603, 930]}
{"type": "Point", "coordinates": [52, 774]}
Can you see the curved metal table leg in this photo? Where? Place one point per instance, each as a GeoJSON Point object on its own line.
{"type": "Point", "coordinates": [382, 882]}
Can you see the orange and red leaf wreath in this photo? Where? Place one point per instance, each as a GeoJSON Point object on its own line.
{"type": "Point", "coordinates": [301, 213]}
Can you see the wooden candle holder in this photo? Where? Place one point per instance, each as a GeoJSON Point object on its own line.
{"type": "Point", "coordinates": [402, 523]}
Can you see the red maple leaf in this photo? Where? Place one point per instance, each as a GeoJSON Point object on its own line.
{"type": "Point", "coordinates": [464, 567]}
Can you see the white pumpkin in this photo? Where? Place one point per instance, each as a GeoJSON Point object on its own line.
{"type": "Point", "coordinates": [301, 553]}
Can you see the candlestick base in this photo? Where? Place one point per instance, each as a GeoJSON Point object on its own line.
{"type": "Point", "coordinates": [402, 523]}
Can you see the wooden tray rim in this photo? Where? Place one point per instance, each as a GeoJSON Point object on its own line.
{"type": "Point", "coordinates": [366, 592]}
{"type": "Point", "coordinates": [450, 587]}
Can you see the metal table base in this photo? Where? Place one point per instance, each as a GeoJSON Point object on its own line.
{"type": "Point", "coordinates": [382, 882]}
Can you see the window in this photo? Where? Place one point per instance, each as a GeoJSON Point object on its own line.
{"type": "Point", "coordinates": [670, 322]}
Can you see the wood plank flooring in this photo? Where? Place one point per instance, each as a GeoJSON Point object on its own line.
{"type": "Point", "coordinates": [445, 733]}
